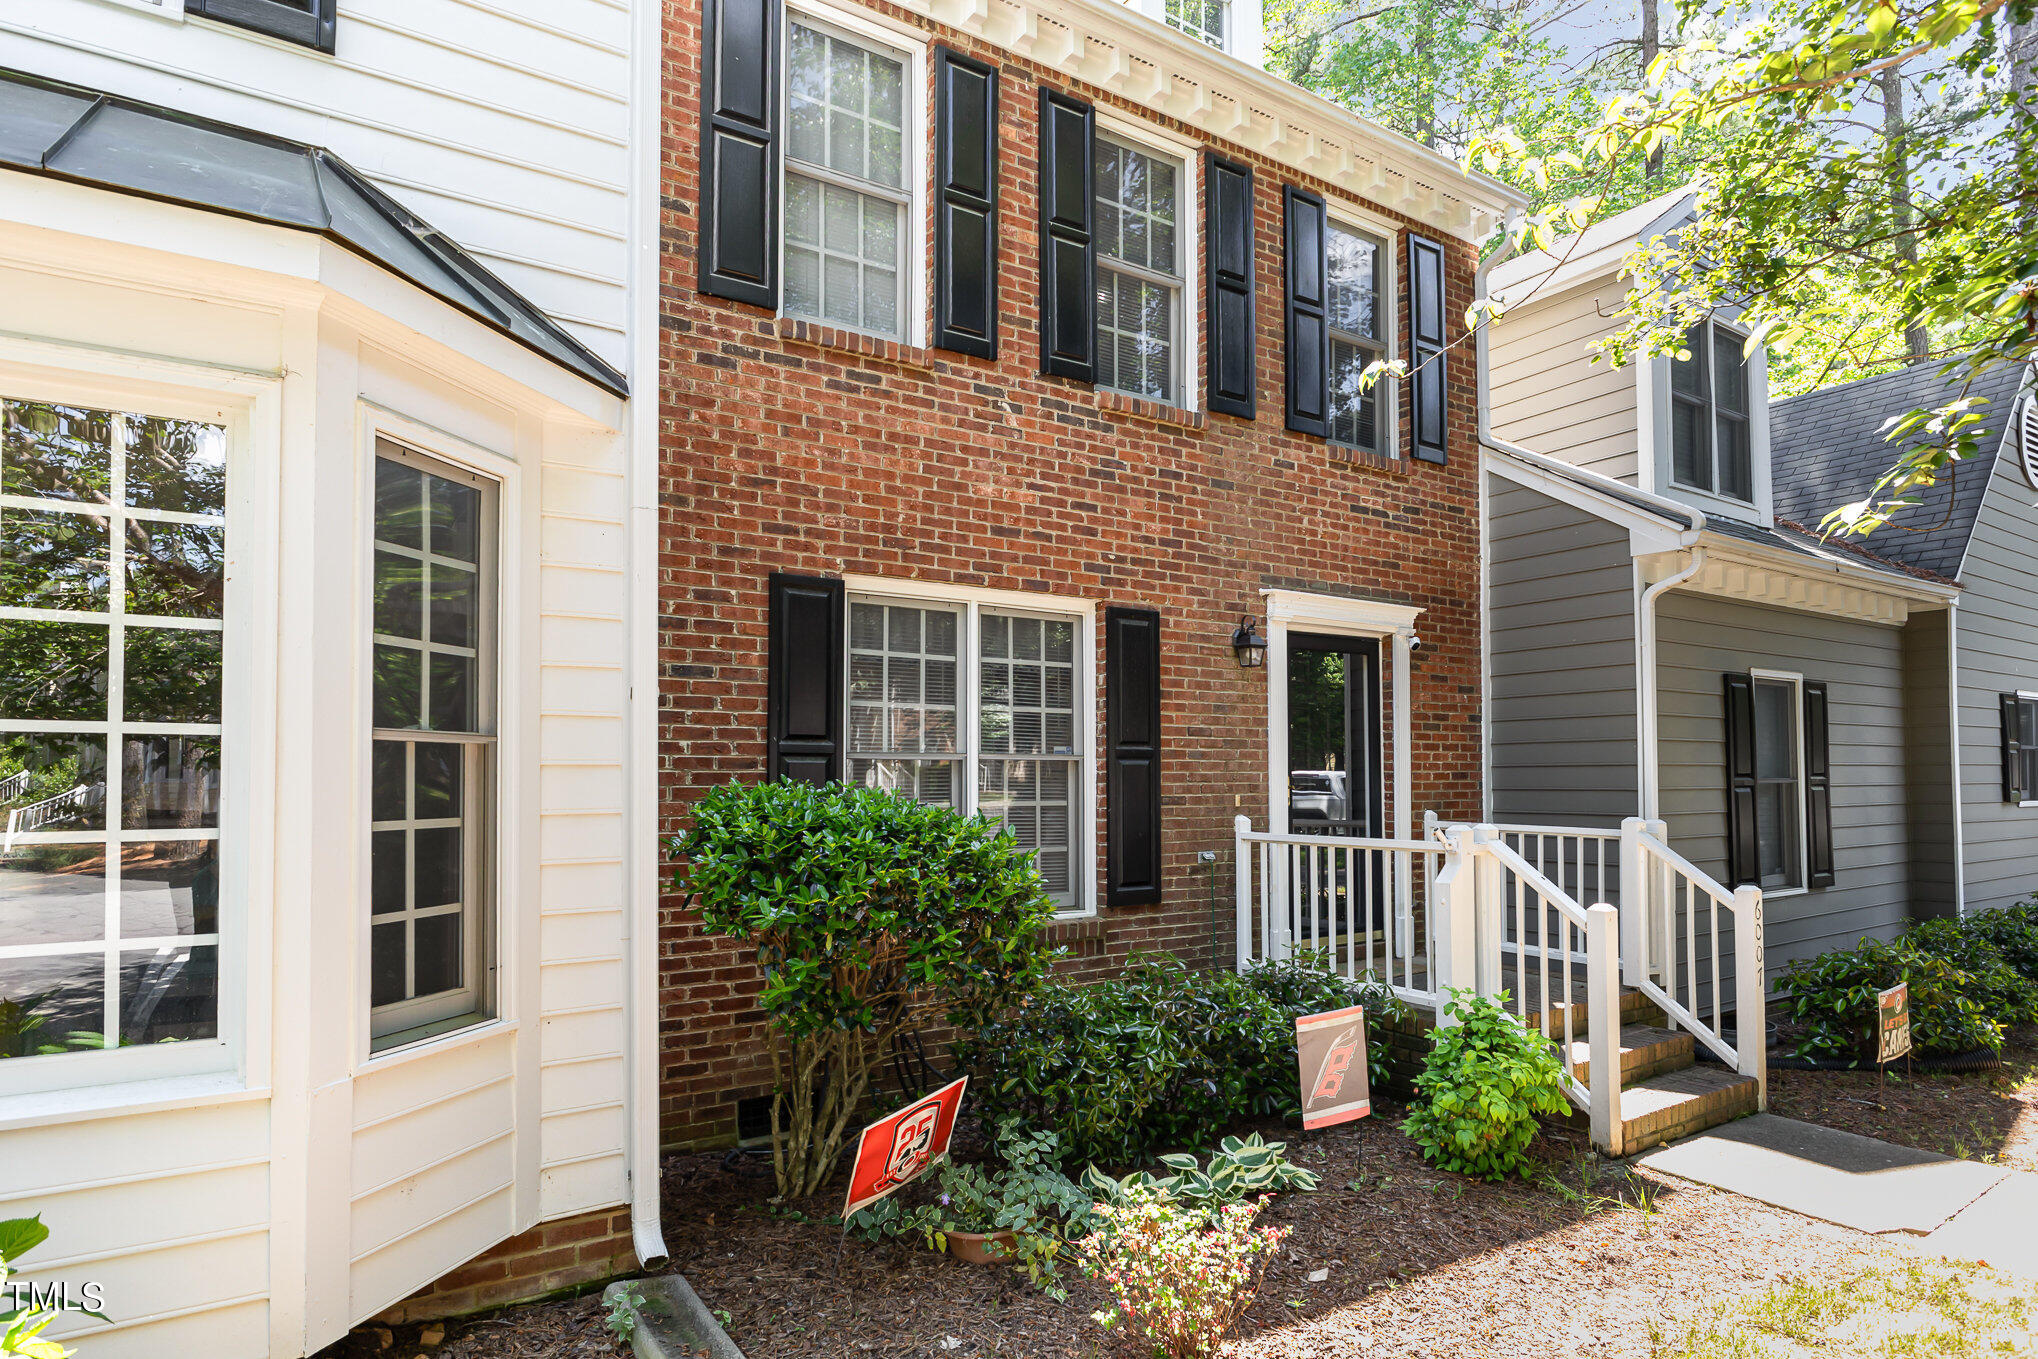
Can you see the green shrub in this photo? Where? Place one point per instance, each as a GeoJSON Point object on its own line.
{"type": "Point", "coordinates": [1180, 1280]}
{"type": "Point", "coordinates": [21, 1327]}
{"type": "Point", "coordinates": [2004, 994]}
{"type": "Point", "coordinates": [872, 915]}
{"type": "Point", "coordinates": [1482, 1084]}
{"type": "Point", "coordinates": [1161, 1057]}
{"type": "Point", "coordinates": [1833, 998]}
{"type": "Point", "coordinates": [2014, 932]}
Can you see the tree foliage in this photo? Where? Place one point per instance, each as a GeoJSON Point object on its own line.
{"type": "Point", "coordinates": [1848, 239]}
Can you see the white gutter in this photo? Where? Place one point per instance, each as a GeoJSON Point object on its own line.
{"type": "Point", "coordinates": [640, 913]}
{"type": "Point", "coordinates": [1646, 754]}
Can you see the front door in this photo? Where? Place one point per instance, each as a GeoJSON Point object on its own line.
{"type": "Point", "coordinates": [1334, 785]}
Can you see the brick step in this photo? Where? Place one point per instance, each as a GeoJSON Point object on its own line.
{"type": "Point", "coordinates": [1645, 1050]}
{"type": "Point", "coordinates": [1679, 1103]}
{"type": "Point", "coordinates": [1635, 1008]}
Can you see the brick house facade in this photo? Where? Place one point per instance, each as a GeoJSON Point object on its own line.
{"type": "Point", "coordinates": [790, 446]}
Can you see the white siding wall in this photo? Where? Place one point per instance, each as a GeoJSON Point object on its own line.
{"type": "Point", "coordinates": [1998, 628]}
{"type": "Point", "coordinates": [504, 123]}
{"type": "Point", "coordinates": [1548, 393]}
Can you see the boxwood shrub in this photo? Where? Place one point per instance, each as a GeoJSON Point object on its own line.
{"type": "Point", "coordinates": [1164, 1056]}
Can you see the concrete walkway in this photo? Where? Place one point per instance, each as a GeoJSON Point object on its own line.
{"type": "Point", "coordinates": [1962, 1210]}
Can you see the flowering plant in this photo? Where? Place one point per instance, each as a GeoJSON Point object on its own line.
{"type": "Point", "coordinates": [1182, 1276]}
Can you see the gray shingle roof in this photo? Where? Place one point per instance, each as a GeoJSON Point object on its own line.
{"type": "Point", "coordinates": [1794, 538]}
{"type": "Point", "coordinates": [1827, 449]}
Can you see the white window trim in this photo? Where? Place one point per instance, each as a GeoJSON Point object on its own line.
{"type": "Point", "coordinates": [2028, 696]}
{"type": "Point", "coordinates": [1152, 141]}
{"type": "Point", "coordinates": [973, 600]}
{"type": "Point", "coordinates": [250, 407]}
{"type": "Point", "coordinates": [1658, 461]}
{"type": "Point", "coordinates": [1386, 391]}
{"type": "Point", "coordinates": [172, 10]}
{"type": "Point", "coordinates": [866, 27]}
{"type": "Point", "coordinates": [1804, 865]}
{"type": "Point", "coordinates": [511, 938]}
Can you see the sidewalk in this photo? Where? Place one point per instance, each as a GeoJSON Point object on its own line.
{"type": "Point", "coordinates": [1960, 1210]}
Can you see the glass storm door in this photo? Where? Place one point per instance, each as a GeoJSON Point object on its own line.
{"type": "Point", "coordinates": [1334, 786]}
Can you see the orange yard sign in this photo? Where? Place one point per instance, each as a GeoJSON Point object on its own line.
{"type": "Point", "coordinates": [1893, 1026]}
{"type": "Point", "coordinates": [899, 1147]}
{"type": "Point", "coordinates": [1331, 1057]}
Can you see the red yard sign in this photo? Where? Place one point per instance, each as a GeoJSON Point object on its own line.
{"type": "Point", "coordinates": [1331, 1056]}
{"type": "Point", "coordinates": [899, 1147]}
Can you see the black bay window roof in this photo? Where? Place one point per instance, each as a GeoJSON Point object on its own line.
{"type": "Point", "coordinates": [110, 142]}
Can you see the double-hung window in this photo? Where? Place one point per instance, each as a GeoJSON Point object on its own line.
{"type": "Point", "coordinates": [113, 586]}
{"type": "Point", "coordinates": [1203, 19]}
{"type": "Point", "coordinates": [1139, 272]}
{"type": "Point", "coordinates": [1357, 335]}
{"type": "Point", "coordinates": [847, 192]}
{"type": "Point", "coordinates": [1709, 419]}
{"type": "Point", "coordinates": [1779, 790]}
{"type": "Point", "coordinates": [979, 708]}
{"type": "Point", "coordinates": [430, 881]}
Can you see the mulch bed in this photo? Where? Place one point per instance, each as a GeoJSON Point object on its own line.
{"type": "Point", "coordinates": [1588, 1258]}
{"type": "Point", "coordinates": [1982, 1116]}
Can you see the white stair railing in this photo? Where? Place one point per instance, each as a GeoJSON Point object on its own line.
{"type": "Point", "coordinates": [14, 785]}
{"type": "Point", "coordinates": [1676, 953]}
{"type": "Point", "coordinates": [36, 815]}
{"type": "Point", "coordinates": [1364, 904]}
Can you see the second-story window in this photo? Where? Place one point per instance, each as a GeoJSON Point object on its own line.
{"type": "Point", "coordinates": [1357, 336]}
{"type": "Point", "coordinates": [1709, 434]}
{"type": "Point", "coordinates": [846, 194]}
{"type": "Point", "coordinates": [1139, 272]}
{"type": "Point", "coordinates": [1199, 18]}
{"type": "Point", "coordinates": [310, 22]}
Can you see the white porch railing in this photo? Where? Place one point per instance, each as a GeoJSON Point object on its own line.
{"type": "Point", "coordinates": [1520, 910]}
{"type": "Point", "coordinates": [14, 785]}
{"type": "Point", "coordinates": [1360, 902]}
{"type": "Point", "coordinates": [36, 815]}
{"type": "Point", "coordinates": [1674, 949]}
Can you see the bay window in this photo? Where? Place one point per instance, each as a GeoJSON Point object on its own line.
{"type": "Point", "coordinates": [1139, 272]}
{"type": "Point", "coordinates": [113, 585]}
{"type": "Point", "coordinates": [979, 708]}
{"type": "Point", "coordinates": [433, 682]}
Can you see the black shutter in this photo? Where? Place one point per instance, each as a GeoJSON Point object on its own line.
{"type": "Point", "coordinates": [1742, 859]}
{"type": "Point", "coordinates": [1428, 388]}
{"type": "Point", "coordinates": [1818, 789]}
{"type": "Point", "coordinates": [738, 245]}
{"type": "Point", "coordinates": [1228, 286]}
{"type": "Point", "coordinates": [2013, 752]}
{"type": "Point", "coordinates": [1068, 252]}
{"type": "Point", "coordinates": [966, 207]}
{"type": "Point", "coordinates": [1132, 713]}
{"type": "Point", "coordinates": [1308, 303]}
{"type": "Point", "coordinates": [804, 728]}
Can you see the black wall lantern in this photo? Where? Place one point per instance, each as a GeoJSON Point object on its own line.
{"type": "Point", "coordinates": [1250, 646]}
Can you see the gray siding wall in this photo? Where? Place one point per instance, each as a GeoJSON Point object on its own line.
{"type": "Point", "coordinates": [1998, 642]}
{"type": "Point", "coordinates": [1562, 636]}
{"type": "Point", "coordinates": [1701, 639]}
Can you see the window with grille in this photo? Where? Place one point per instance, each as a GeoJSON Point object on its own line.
{"type": "Point", "coordinates": [1199, 18]}
{"type": "Point", "coordinates": [1709, 418]}
{"type": "Point", "coordinates": [1779, 797]}
{"type": "Point", "coordinates": [1357, 336]}
{"type": "Point", "coordinates": [430, 884]}
{"type": "Point", "coordinates": [1139, 272]}
{"type": "Point", "coordinates": [977, 708]}
{"type": "Point", "coordinates": [846, 184]}
{"type": "Point", "coordinates": [113, 586]}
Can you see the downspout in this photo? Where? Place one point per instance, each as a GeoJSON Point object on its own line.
{"type": "Point", "coordinates": [1645, 609]}
{"type": "Point", "coordinates": [640, 915]}
{"type": "Point", "coordinates": [1645, 688]}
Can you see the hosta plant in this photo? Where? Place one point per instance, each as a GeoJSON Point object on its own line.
{"type": "Point", "coordinates": [1179, 1279]}
{"type": "Point", "coordinates": [871, 915]}
{"type": "Point", "coordinates": [1483, 1082]}
{"type": "Point", "coordinates": [1240, 1168]}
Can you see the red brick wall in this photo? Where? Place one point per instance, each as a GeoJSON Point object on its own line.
{"type": "Point", "coordinates": [786, 450]}
{"type": "Point", "coordinates": [549, 1257]}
